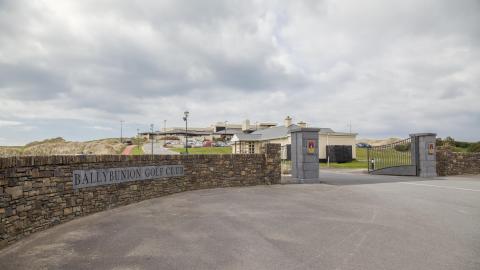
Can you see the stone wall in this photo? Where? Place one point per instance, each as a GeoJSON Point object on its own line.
{"type": "Point", "coordinates": [37, 192]}
{"type": "Point", "coordinates": [454, 163]}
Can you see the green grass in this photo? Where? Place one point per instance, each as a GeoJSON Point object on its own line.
{"type": "Point", "coordinates": [460, 149]}
{"type": "Point", "coordinates": [137, 151]}
{"type": "Point", "coordinates": [205, 150]}
{"type": "Point", "coordinates": [347, 165]}
{"type": "Point", "coordinates": [361, 154]}
{"type": "Point", "coordinates": [359, 163]}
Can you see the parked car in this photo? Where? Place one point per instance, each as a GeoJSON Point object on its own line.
{"type": "Point", "coordinates": [363, 145]}
{"type": "Point", "coordinates": [208, 144]}
{"type": "Point", "coordinates": [220, 144]}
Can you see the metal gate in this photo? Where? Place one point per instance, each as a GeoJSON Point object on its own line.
{"type": "Point", "coordinates": [398, 158]}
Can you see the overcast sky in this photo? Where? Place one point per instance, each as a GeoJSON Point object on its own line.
{"type": "Point", "coordinates": [76, 68]}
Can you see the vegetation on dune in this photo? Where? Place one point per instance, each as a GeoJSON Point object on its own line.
{"type": "Point", "coordinates": [205, 150]}
{"type": "Point", "coordinates": [59, 146]}
{"type": "Point", "coordinates": [458, 146]}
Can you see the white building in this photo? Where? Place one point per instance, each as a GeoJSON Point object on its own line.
{"type": "Point", "coordinates": [253, 142]}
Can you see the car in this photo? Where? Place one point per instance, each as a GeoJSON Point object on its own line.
{"type": "Point", "coordinates": [363, 145]}
{"type": "Point", "coordinates": [220, 144]}
{"type": "Point", "coordinates": [208, 144]}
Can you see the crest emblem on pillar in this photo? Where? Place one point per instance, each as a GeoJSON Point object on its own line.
{"type": "Point", "coordinates": [311, 146]}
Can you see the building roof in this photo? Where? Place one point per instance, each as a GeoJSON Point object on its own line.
{"type": "Point", "coordinates": [279, 132]}
{"type": "Point", "coordinates": [178, 132]}
{"type": "Point", "coordinates": [326, 130]}
{"type": "Point", "coordinates": [246, 137]}
{"type": "Point", "coordinates": [274, 132]}
{"type": "Point", "coordinates": [229, 131]}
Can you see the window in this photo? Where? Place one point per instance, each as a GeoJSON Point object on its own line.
{"type": "Point", "coordinates": [251, 148]}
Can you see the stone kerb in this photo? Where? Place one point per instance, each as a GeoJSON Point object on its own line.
{"type": "Point", "coordinates": [37, 192]}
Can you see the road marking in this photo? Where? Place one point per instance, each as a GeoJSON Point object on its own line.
{"type": "Point", "coordinates": [426, 185]}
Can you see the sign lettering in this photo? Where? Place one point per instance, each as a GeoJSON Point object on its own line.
{"type": "Point", "coordinates": [98, 177]}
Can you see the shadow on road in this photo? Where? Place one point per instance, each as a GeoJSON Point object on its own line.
{"type": "Point", "coordinates": [342, 178]}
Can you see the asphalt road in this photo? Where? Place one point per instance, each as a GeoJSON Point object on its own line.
{"type": "Point", "coordinates": [158, 149]}
{"type": "Point", "coordinates": [352, 221]}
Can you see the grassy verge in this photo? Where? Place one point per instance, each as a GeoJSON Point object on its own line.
{"type": "Point", "coordinates": [137, 151]}
{"type": "Point", "coordinates": [205, 150]}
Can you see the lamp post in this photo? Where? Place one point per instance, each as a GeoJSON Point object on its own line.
{"type": "Point", "coordinates": [164, 132]}
{"type": "Point", "coordinates": [225, 136]}
{"type": "Point", "coordinates": [185, 118]}
{"type": "Point", "coordinates": [151, 130]}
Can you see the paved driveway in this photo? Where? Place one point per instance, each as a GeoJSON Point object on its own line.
{"type": "Point", "coordinates": [158, 149]}
{"type": "Point", "coordinates": [353, 221]}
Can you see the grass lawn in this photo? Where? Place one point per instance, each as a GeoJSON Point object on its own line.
{"type": "Point", "coordinates": [347, 165]}
{"type": "Point", "coordinates": [205, 150]}
{"type": "Point", "coordinates": [361, 153]}
{"type": "Point", "coordinates": [137, 151]}
{"type": "Point", "coordinates": [360, 163]}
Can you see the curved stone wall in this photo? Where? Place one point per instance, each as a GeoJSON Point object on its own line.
{"type": "Point", "coordinates": [38, 192]}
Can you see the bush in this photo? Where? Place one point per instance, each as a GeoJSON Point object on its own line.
{"type": "Point", "coordinates": [402, 147]}
{"type": "Point", "coordinates": [462, 144]}
{"type": "Point", "coordinates": [439, 142]}
{"type": "Point", "coordinates": [449, 141]}
{"type": "Point", "coordinates": [474, 147]}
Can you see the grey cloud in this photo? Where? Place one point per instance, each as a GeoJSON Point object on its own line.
{"type": "Point", "coordinates": [29, 82]}
{"type": "Point", "coordinates": [326, 62]}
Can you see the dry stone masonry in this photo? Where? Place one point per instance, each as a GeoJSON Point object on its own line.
{"type": "Point", "coordinates": [38, 192]}
{"type": "Point", "coordinates": [454, 163]}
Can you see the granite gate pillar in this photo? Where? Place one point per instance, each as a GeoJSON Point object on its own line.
{"type": "Point", "coordinates": [304, 151]}
{"type": "Point", "coordinates": [423, 154]}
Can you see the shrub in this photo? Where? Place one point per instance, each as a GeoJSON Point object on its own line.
{"type": "Point", "coordinates": [402, 147]}
{"type": "Point", "coordinates": [449, 141]}
{"type": "Point", "coordinates": [462, 144]}
{"type": "Point", "coordinates": [474, 147]}
{"type": "Point", "coordinates": [439, 142]}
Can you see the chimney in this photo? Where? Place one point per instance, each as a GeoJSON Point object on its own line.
{"type": "Point", "coordinates": [288, 121]}
{"type": "Point", "coordinates": [302, 124]}
{"type": "Point", "coordinates": [246, 125]}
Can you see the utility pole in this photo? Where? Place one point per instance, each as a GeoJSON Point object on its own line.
{"type": "Point", "coordinates": [151, 130]}
{"type": "Point", "coordinates": [328, 152]}
{"type": "Point", "coordinates": [138, 138]}
{"type": "Point", "coordinates": [185, 118]}
{"type": "Point", "coordinates": [121, 131]}
{"type": "Point", "coordinates": [164, 132]}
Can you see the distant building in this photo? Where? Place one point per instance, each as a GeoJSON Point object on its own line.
{"type": "Point", "coordinates": [253, 142]}
{"type": "Point", "coordinates": [218, 131]}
